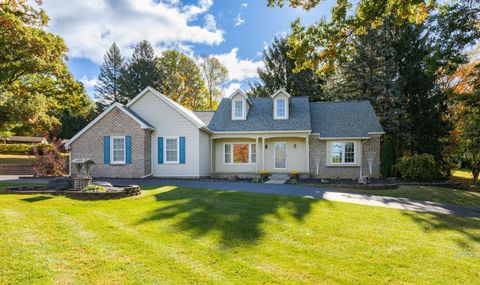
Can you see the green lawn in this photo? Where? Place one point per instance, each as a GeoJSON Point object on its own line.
{"type": "Point", "coordinates": [425, 193]}
{"type": "Point", "coordinates": [179, 235]}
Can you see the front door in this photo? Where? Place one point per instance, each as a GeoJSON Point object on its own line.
{"type": "Point", "coordinates": [280, 154]}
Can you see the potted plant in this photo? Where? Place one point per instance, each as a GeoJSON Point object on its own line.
{"type": "Point", "coordinates": [264, 174]}
{"type": "Point", "coordinates": [294, 174]}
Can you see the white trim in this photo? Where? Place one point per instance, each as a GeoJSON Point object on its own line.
{"type": "Point", "coordinates": [231, 153]}
{"type": "Point", "coordinates": [103, 114]}
{"type": "Point", "coordinates": [275, 155]}
{"type": "Point", "coordinates": [124, 161]}
{"type": "Point", "coordinates": [179, 108]}
{"type": "Point", "coordinates": [238, 91]}
{"type": "Point", "coordinates": [343, 138]}
{"type": "Point", "coordinates": [279, 91]}
{"type": "Point", "coordinates": [165, 161]}
{"type": "Point", "coordinates": [261, 132]}
{"type": "Point", "coordinates": [376, 133]}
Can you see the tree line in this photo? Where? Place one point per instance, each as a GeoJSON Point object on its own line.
{"type": "Point", "coordinates": [192, 83]}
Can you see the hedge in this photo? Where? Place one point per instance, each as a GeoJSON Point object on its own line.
{"type": "Point", "coordinates": [22, 149]}
{"type": "Point", "coordinates": [418, 167]}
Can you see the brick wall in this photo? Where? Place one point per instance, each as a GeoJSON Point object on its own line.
{"type": "Point", "coordinates": [115, 123]}
{"type": "Point", "coordinates": [342, 172]}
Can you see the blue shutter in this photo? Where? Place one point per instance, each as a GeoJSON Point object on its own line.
{"type": "Point", "coordinates": [128, 149]}
{"type": "Point", "coordinates": [106, 149]}
{"type": "Point", "coordinates": [182, 150]}
{"type": "Point", "coordinates": [160, 150]}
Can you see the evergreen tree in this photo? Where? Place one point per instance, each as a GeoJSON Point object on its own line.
{"type": "Point", "coordinates": [140, 72]}
{"type": "Point", "coordinates": [107, 87]}
{"type": "Point", "coordinates": [278, 72]}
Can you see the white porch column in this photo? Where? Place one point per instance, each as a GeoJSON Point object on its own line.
{"type": "Point", "coordinates": [263, 153]}
{"type": "Point", "coordinates": [256, 162]}
{"type": "Point", "coordinates": [307, 148]}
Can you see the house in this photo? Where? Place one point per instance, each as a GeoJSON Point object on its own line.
{"type": "Point", "coordinates": [24, 140]}
{"type": "Point", "coordinates": [154, 136]}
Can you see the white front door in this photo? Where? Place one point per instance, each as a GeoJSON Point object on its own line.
{"type": "Point", "coordinates": [280, 155]}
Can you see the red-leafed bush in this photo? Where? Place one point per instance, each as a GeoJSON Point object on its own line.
{"type": "Point", "coordinates": [49, 161]}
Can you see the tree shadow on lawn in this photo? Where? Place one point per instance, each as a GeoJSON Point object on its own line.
{"type": "Point", "coordinates": [468, 227]}
{"type": "Point", "coordinates": [235, 215]}
{"type": "Point", "coordinates": [36, 198]}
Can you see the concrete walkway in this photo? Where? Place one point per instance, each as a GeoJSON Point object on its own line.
{"type": "Point", "coordinates": [299, 190]}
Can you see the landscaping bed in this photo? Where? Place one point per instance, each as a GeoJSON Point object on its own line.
{"type": "Point", "coordinates": [382, 184]}
{"type": "Point", "coordinates": [117, 192]}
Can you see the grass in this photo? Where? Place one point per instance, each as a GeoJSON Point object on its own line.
{"type": "Point", "coordinates": [12, 159]}
{"type": "Point", "coordinates": [4, 185]}
{"type": "Point", "coordinates": [424, 193]}
{"type": "Point", "coordinates": [181, 235]}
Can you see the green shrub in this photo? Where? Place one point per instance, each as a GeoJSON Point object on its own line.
{"type": "Point", "coordinates": [388, 158]}
{"type": "Point", "coordinates": [23, 149]}
{"type": "Point", "coordinates": [418, 167]}
{"type": "Point", "coordinates": [292, 181]}
{"type": "Point", "coordinates": [94, 188]}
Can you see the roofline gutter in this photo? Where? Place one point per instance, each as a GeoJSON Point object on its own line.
{"type": "Point", "coordinates": [259, 132]}
{"type": "Point", "coordinates": [344, 138]}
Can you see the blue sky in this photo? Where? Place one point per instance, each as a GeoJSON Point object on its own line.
{"type": "Point", "coordinates": [234, 31]}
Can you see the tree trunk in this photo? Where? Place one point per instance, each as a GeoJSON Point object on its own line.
{"type": "Point", "coordinates": [475, 174]}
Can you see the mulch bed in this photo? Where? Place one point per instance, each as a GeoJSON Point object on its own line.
{"type": "Point", "coordinates": [127, 191]}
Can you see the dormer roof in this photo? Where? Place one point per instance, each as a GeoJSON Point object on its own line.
{"type": "Point", "coordinates": [243, 94]}
{"type": "Point", "coordinates": [280, 91]}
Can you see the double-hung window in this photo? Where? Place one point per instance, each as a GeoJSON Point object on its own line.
{"type": "Point", "coordinates": [238, 109]}
{"type": "Point", "coordinates": [281, 110]}
{"type": "Point", "coordinates": [171, 150]}
{"type": "Point", "coordinates": [117, 150]}
{"type": "Point", "coordinates": [240, 153]}
{"type": "Point", "coordinates": [342, 152]}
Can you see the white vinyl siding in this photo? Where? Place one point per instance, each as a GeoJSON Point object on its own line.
{"type": "Point", "coordinates": [168, 122]}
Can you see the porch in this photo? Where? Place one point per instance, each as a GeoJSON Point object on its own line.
{"type": "Point", "coordinates": [245, 155]}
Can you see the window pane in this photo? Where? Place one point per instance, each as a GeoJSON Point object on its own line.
{"type": "Point", "coordinates": [280, 108]}
{"type": "Point", "coordinates": [238, 109]}
{"type": "Point", "coordinates": [228, 153]}
{"type": "Point", "coordinates": [337, 150]}
{"type": "Point", "coordinates": [254, 153]}
{"type": "Point", "coordinates": [118, 143]}
{"type": "Point", "coordinates": [118, 155]}
{"type": "Point", "coordinates": [240, 153]}
{"type": "Point", "coordinates": [349, 152]}
{"type": "Point", "coordinates": [171, 150]}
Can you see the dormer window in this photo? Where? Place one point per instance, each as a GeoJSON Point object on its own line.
{"type": "Point", "coordinates": [280, 104]}
{"type": "Point", "coordinates": [238, 109]}
{"type": "Point", "coordinates": [281, 108]}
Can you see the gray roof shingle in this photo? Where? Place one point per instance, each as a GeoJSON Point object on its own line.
{"type": "Point", "coordinates": [344, 119]}
{"type": "Point", "coordinates": [205, 116]}
{"type": "Point", "coordinates": [260, 116]}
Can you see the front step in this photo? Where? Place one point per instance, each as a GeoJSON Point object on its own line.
{"type": "Point", "coordinates": [277, 179]}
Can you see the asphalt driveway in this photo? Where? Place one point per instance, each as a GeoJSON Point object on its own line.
{"type": "Point", "coordinates": [300, 190]}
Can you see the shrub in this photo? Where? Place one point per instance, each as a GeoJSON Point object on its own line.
{"type": "Point", "coordinates": [257, 179]}
{"type": "Point", "coordinates": [418, 167]}
{"type": "Point", "coordinates": [49, 161]}
{"type": "Point", "coordinates": [23, 149]}
{"type": "Point", "coordinates": [94, 188]}
{"type": "Point", "coordinates": [264, 174]}
{"type": "Point", "coordinates": [388, 158]}
{"type": "Point", "coordinates": [292, 181]}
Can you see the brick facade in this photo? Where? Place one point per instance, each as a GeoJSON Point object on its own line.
{"type": "Point", "coordinates": [115, 123]}
{"type": "Point", "coordinates": [343, 172]}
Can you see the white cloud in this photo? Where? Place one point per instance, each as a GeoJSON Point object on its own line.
{"type": "Point", "coordinates": [88, 83]}
{"type": "Point", "coordinates": [89, 27]}
{"type": "Point", "coordinates": [244, 5]}
{"type": "Point", "coordinates": [230, 88]}
{"type": "Point", "coordinates": [238, 69]}
{"type": "Point", "coordinates": [238, 21]}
